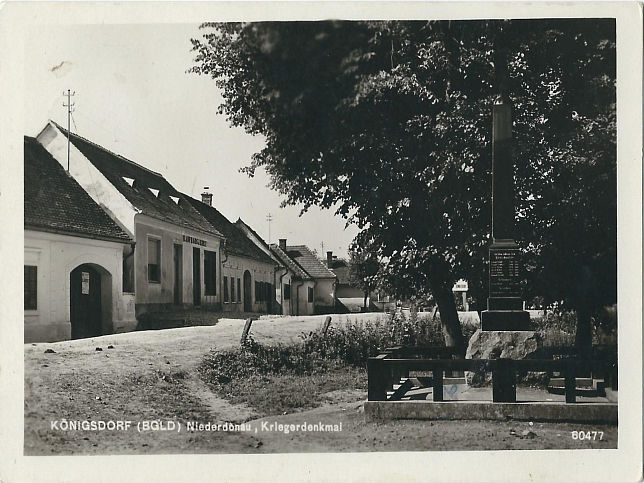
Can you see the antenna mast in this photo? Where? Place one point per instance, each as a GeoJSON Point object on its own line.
{"type": "Point", "coordinates": [69, 106]}
{"type": "Point", "coordinates": [269, 218]}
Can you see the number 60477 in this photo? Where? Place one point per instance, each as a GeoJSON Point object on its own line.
{"type": "Point", "coordinates": [587, 435]}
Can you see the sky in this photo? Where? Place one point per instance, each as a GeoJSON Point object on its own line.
{"type": "Point", "coordinates": [134, 97]}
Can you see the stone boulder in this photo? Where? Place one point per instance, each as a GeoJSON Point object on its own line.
{"type": "Point", "coordinates": [497, 345]}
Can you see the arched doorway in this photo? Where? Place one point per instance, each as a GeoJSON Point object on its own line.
{"type": "Point", "coordinates": [248, 302]}
{"type": "Point", "coordinates": [90, 301]}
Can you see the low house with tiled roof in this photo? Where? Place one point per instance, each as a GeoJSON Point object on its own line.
{"type": "Point", "coordinates": [312, 286]}
{"type": "Point", "coordinates": [73, 280]}
{"type": "Point", "coordinates": [247, 271]}
{"type": "Point", "coordinates": [176, 257]}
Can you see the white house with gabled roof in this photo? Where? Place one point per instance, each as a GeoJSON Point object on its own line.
{"type": "Point", "coordinates": [176, 257]}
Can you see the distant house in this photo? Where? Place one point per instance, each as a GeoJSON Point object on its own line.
{"type": "Point", "coordinates": [176, 258]}
{"type": "Point", "coordinates": [247, 271]}
{"type": "Point", "coordinates": [73, 279]}
{"type": "Point", "coordinates": [311, 287]}
{"type": "Point", "coordinates": [341, 268]}
{"type": "Point", "coordinates": [350, 297]}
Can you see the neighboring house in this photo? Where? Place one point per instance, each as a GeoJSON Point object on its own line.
{"type": "Point", "coordinates": [247, 271]}
{"type": "Point", "coordinates": [73, 281]}
{"type": "Point", "coordinates": [341, 268]}
{"type": "Point", "coordinates": [350, 298]}
{"type": "Point", "coordinates": [312, 288]}
{"type": "Point", "coordinates": [176, 260]}
{"type": "Point", "coordinates": [296, 288]}
{"type": "Point", "coordinates": [281, 273]}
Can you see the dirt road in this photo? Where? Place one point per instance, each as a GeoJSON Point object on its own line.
{"type": "Point", "coordinates": [151, 376]}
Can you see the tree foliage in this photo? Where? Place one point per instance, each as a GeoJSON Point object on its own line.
{"type": "Point", "coordinates": [390, 124]}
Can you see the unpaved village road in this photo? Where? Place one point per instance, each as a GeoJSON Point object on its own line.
{"type": "Point", "coordinates": [152, 376]}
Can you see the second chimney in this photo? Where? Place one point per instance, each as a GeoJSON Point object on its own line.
{"type": "Point", "coordinates": [283, 243]}
{"type": "Point", "coordinates": [206, 196]}
{"type": "Point", "coordinates": [329, 259]}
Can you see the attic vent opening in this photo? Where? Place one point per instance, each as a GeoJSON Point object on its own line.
{"type": "Point", "coordinates": [129, 181]}
{"type": "Point", "coordinates": [175, 199]}
{"type": "Point", "coordinates": [154, 192]}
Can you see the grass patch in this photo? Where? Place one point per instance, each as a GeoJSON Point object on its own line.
{"type": "Point", "coordinates": [287, 378]}
{"type": "Point", "coordinates": [278, 379]}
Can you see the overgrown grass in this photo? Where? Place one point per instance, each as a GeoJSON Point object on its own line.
{"type": "Point", "coordinates": [286, 378]}
{"type": "Point", "coordinates": [278, 379]}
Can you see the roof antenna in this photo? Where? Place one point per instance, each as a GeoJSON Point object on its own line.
{"type": "Point", "coordinates": [269, 218]}
{"type": "Point", "coordinates": [69, 106]}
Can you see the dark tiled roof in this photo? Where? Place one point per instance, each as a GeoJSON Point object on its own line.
{"type": "Point", "coordinates": [308, 261]}
{"type": "Point", "coordinates": [250, 229]}
{"type": "Point", "coordinates": [115, 167]}
{"type": "Point", "coordinates": [241, 224]}
{"type": "Point", "coordinates": [54, 201]}
{"type": "Point", "coordinates": [289, 262]}
{"type": "Point", "coordinates": [237, 243]}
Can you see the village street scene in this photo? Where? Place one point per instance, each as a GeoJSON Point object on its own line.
{"type": "Point", "coordinates": [319, 237]}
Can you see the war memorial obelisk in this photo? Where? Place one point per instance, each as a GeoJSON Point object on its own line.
{"type": "Point", "coordinates": [505, 304]}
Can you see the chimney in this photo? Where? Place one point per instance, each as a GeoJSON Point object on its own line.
{"type": "Point", "coordinates": [206, 196]}
{"type": "Point", "coordinates": [329, 259]}
{"type": "Point", "coordinates": [283, 243]}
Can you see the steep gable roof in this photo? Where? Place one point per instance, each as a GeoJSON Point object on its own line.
{"type": "Point", "coordinates": [147, 190]}
{"type": "Point", "coordinates": [306, 259]}
{"type": "Point", "coordinates": [237, 243]}
{"type": "Point", "coordinates": [54, 201]}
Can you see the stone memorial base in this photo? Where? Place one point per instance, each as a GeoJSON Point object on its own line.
{"type": "Point", "coordinates": [500, 344]}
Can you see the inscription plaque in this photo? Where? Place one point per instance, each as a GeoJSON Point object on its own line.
{"type": "Point", "coordinates": [505, 279]}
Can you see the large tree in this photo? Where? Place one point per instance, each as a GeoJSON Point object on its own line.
{"type": "Point", "coordinates": [390, 123]}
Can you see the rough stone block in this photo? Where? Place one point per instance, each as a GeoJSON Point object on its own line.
{"type": "Point", "coordinates": [500, 344]}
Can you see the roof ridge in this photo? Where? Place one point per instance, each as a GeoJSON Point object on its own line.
{"type": "Point", "coordinates": [314, 257]}
{"type": "Point", "coordinates": [65, 131]}
{"type": "Point", "coordinates": [294, 262]}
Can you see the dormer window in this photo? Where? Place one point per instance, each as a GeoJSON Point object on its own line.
{"type": "Point", "coordinates": [129, 181]}
{"type": "Point", "coordinates": [154, 192]}
{"type": "Point", "coordinates": [175, 199]}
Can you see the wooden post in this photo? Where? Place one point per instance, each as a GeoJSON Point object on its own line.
{"type": "Point", "coordinates": [570, 383]}
{"type": "Point", "coordinates": [504, 388]}
{"type": "Point", "coordinates": [437, 384]}
{"type": "Point", "coordinates": [247, 325]}
{"type": "Point", "coordinates": [377, 379]}
{"type": "Point", "coordinates": [327, 323]}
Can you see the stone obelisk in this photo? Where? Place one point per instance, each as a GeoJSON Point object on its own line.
{"type": "Point", "coordinates": [504, 305]}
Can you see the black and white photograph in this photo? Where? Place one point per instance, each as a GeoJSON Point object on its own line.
{"type": "Point", "coordinates": [364, 241]}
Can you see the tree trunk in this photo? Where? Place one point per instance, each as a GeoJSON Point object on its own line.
{"type": "Point", "coordinates": [442, 292]}
{"type": "Point", "coordinates": [364, 305]}
{"type": "Point", "coordinates": [584, 333]}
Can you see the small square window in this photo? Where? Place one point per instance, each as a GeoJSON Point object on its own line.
{"type": "Point", "coordinates": [31, 287]}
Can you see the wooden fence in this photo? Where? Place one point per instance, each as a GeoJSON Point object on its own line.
{"type": "Point", "coordinates": [395, 364]}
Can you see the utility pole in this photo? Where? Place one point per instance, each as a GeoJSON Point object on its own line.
{"type": "Point", "coordinates": [69, 106]}
{"type": "Point", "coordinates": [269, 218]}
